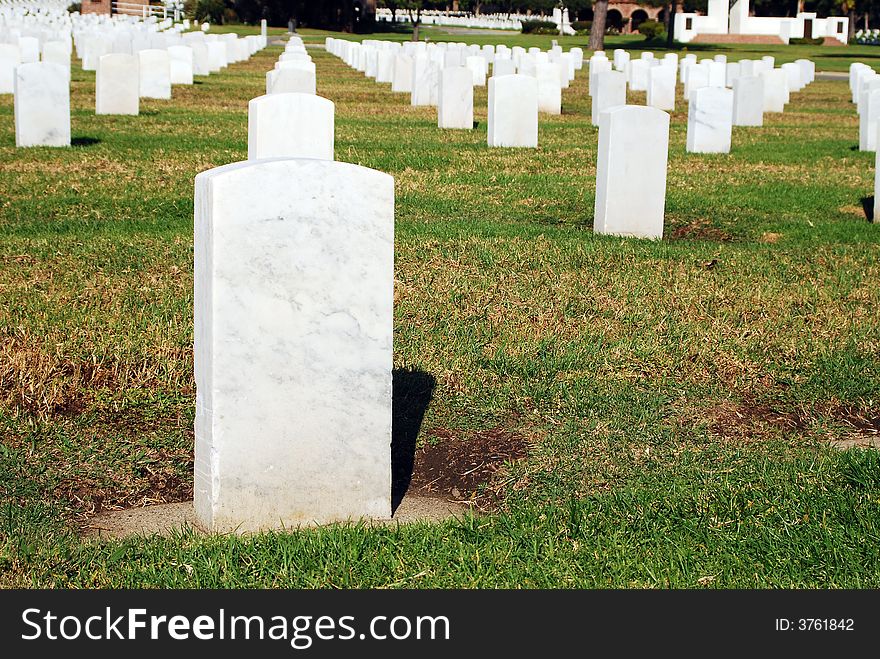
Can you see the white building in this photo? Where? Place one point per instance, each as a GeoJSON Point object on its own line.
{"type": "Point", "coordinates": [738, 22]}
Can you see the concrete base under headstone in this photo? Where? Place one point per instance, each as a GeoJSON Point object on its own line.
{"type": "Point", "coordinates": [170, 518]}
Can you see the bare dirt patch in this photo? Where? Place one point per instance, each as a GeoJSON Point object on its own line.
{"type": "Point", "coordinates": [157, 479]}
{"type": "Point", "coordinates": [700, 230]}
{"type": "Point", "coordinates": [750, 421]}
{"type": "Point", "coordinates": [459, 462]}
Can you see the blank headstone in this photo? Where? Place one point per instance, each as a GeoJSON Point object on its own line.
{"type": "Point", "coordinates": [294, 271]}
{"type": "Point", "coordinates": [661, 87]}
{"type": "Point", "coordinates": [733, 72]}
{"type": "Point", "coordinates": [503, 67]}
{"type": "Point", "coordinates": [201, 62]}
{"type": "Point", "coordinates": [867, 84]}
{"type": "Point", "coordinates": [290, 126]}
{"type": "Point", "coordinates": [155, 74]}
{"type": "Point", "coordinates": [748, 101]}
{"type": "Point", "coordinates": [566, 65]}
{"type": "Point", "coordinates": [385, 66]}
{"type": "Point", "coordinates": [116, 85]}
{"type": "Point", "coordinates": [30, 49]}
{"type": "Point", "coordinates": [297, 81]}
{"type": "Point", "coordinates": [549, 88]}
{"type": "Point", "coordinates": [402, 79]}
{"type": "Point", "coordinates": [477, 66]}
{"type": "Point", "coordinates": [638, 74]}
{"type": "Point", "coordinates": [710, 115]}
{"type": "Point", "coordinates": [9, 58]}
{"type": "Point", "coordinates": [424, 79]}
{"type": "Point", "coordinates": [775, 90]}
{"type": "Point", "coordinates": [631, 171]}
{"type": "Point", "coordinates": [876, 217]}
{"type": "Point", "coordinates": [513, 111]}
{"type": "Point", "coordinates": [597, 65]}
{"type": "Point", "coordinates": [216, 56]}
{"type": "Point", "coordinates": [455, 107]}
{"type": "Point", "coordinates": [181, 61]}
{"type": "Point", "coordinates": [42, 105]}
{"type": "Point", "coordinates": [717, 73]}
{"type": "Point", "coordinates": [697, 77]}
{"type": "Point", "coordinates": [868, 122]}
{"type": "Point", "coordinates": [793, 76]}
{"type": "Point", "coordinates": [610, 91]}
{"type": "Point", "coordinates": [56, 52]}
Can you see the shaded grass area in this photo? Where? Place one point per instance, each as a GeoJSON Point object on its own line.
{"type": "Point", "coordinates": [680, 400]}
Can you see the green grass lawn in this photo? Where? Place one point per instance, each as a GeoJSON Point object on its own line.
{"type": "Point", "coordinates": [683, 401]}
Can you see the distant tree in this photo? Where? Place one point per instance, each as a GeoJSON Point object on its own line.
{"type": "Point", "coordinates": [210, 10]}
{"type": "Point", "coordinates": [415, 8]}
{"type": "Point", "coordinates": [392, 5]}
{"type": "Point", "coordinates": [597, 30]}
{"type": "Point", "coordinates": [852, 8]}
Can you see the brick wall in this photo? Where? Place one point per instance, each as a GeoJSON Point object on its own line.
{"type": "Point", "coordinates": [95, 6]}
{"type": "Point", "coordinates": [104, 6]}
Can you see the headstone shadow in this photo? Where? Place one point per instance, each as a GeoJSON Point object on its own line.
{"type": "Point", "coordinates": [84, 141]}
{"type": "Point", "coordinates": [412, 391]}
{"type": "Point", "coordinates": [868, 207]}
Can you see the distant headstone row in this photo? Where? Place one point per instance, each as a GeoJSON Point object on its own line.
{"type": "Point", "coordinates": [523, 84]}
{"type": "Point", "coordinates": [720, 94]}
{"type": "Point", "coordinates": [133, 59]}
{"type": "Point", "coordinates": [291, 120]}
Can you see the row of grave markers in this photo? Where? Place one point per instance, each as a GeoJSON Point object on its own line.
{"type": "Point", "coordinates": [525, 83]}
{"type": "Point", "coordinates": [39, 70]}
{"type": "Point", "coordinates": [864, 86]}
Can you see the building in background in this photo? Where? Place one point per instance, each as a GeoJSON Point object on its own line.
{"type": "Point", "coordinates": [737, 25]}
{"type": "Point", "coordinates": [133, 7]}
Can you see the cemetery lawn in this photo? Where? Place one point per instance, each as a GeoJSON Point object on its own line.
{"type": "Point", "coordinates": [684, 403]}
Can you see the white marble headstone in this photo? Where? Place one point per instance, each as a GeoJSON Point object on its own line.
{"type": "Point", "coordinates": [300, 81]}
{"type": "Point", "coordinates": [631, 171]}
{"type": "Point", "coordinates": [294, 271]}
{"type": "Point", "coordinates": [478, 68]}
{"type": "Point", "coordinates": [290, 125]}
{"type": "Point", "coordinates": [638, 74]}
{"type": "Point", "coordinates": [116, 85]}
{"type": "Point", "coordinates": [710, 117]}
{"type": "Point", "coordinates": [868, 122]}
{"type": "Point", "coordinates": [876, 217]}
{"type": "Point", "coordinates": [155, 74]}
{"type": "Point", "coordinates": [30, 49]}
{"type": "Point", "coordinates": [503, 67]}
{"type": "Point", "coordinates": [424, 81]}
{"type": "Point", "coordinates": [775, 90]}
{"type": "Point", "coordinates": [549, 88]}
{"type": "Point", "coordinates": [42, 105]}
{"type": "Point", "coordinates": [455, 108]}
{"type": "Point", "coordinates": [610, 91]}
{"type": "Point", "coordinates": [661, 87]}
{"type": "Point", "coordinates": [401, 80]}
{"type": "Point", "coordinates": [748, 101]}
{"type": "Point", "coordinates": [513, 111]}
{"type": "Point", "coordinates": [216, 56]}
{"type": "Point", "coordinates": [10, 57]}
{"type": "Point", "coordinates": [201, 60]}
{"type": "Point", "coordinates": [56, 52]}
{"type": "Point", "coordinates": [181, 62]}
